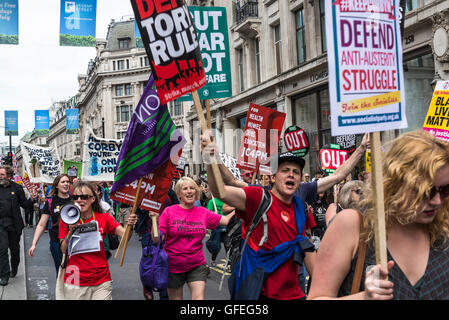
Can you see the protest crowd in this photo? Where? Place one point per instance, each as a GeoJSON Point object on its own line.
{"type": "Point", "coordinates": [348, 230]}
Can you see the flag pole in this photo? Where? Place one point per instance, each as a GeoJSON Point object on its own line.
{"type": "Point", "coordinates": [129, 227]}
{"type": "Point", "coordinates": [215, 169]}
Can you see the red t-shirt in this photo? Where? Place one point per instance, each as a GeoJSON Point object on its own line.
{"type": "Point", "coordinates": [92, 268]}
{"type": "Point", "coordinates": [283, 283]}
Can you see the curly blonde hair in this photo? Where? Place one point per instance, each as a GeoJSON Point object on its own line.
{"type": "Point", "coordinates": [409, 169]}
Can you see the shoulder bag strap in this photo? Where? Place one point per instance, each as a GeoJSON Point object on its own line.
{"type": "Point", "coordinates": [360, 262]}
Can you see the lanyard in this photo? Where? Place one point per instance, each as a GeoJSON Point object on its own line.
{"type": "Point", "coordinates": [93, 215]}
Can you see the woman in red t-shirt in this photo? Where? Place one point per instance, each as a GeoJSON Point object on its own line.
{"type": "Point", "coordinates": [87, 274]}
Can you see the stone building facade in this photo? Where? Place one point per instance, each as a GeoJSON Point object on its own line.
{"type": "Point", "coordinates": [279, 60]}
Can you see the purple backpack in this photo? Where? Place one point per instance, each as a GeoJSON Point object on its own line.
{"type": "Point", "coordinates": [153, 267]}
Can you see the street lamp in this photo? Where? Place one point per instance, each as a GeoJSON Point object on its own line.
{"type": "Point", "coordinates": [102, 126]}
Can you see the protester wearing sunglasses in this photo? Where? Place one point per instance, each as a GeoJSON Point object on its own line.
{"type": "Point", "coordinates": [87, 274]}
{"type": "Point", "coordinates": [416, 190]}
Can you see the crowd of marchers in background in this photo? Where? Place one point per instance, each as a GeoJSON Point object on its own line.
{"type": "Point", "coordinates": [311, 226]}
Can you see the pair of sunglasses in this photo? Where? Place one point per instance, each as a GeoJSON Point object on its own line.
{"type": "Point", "coordinates": [443, 191]}
{"type": "Point", "coordinates": [81, 196]}
{"type": "Point", "coordinates": [358, 191]}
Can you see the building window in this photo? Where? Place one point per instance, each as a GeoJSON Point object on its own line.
{"type": "Point", "coordinates": [176, 108]}
{"type": "Point", "coordinates": [123, 43]}
{"type": "Point", "coordinates": [119, 90]}
{"type": "Point", "coordinates": [323, 28]}
{"type": "Point", "coordinates": [300, 36]}
{"type": "Point", "coordinates": [121, 134]}
{"type": "Point", "coordinates": [120, 65]}
{"type": "Point", "coordinates": [144, 61]}
{"type": "Point", "coordinates": [278, 48]}
{"type": "Point", "coordinates": [418, 76]}
{"type": "Point", "coordinates": [257, 52]}
{"type": "Point", "coordinates": [123, 113]}
{"type": "Point", "coordinates": [240, 66]}
{"type": "Point", "coordinates": [128, 90]}
{"type": "Point", "coordinates": [78, 150]}
{"type": "Point", "coordinates": [411, 5]}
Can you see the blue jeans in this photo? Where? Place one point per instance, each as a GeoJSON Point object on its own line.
{"type": "Point", "coordinates": [146, 239]}
{"type": "Point", "coordinates": [213, 245]}
{"type": "Point", "coordinates": [55, 249]}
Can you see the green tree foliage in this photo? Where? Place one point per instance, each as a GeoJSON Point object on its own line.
{"type": "Point", "coordinates": [76, 41]}
{"type": "Point", "coordinates": [9, 39]}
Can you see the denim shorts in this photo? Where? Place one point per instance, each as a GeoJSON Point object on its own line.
{"type": "Point", "coordinates": [176, 280]}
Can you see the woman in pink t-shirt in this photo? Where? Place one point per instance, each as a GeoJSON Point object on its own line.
{"type": "Point", "coordinates": [184, 227]}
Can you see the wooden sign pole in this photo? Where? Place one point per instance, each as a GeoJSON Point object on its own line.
{"type": "Point", "coordinates": [215, 169]}
{"type": "Point", "coordinates": [155, 229]}
{"type": "Point", "coordinates": [209, 118]}
{"type": "Point", "coordinates": [129, 227]}
{"type": "Point", "coordinates": [380, 234]}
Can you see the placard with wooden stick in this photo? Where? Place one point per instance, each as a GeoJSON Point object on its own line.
{"type": "Point", "coordinates": [204, 129]}
{"type": "Point", "coordinates": [124, 241]}
{"type": "Point", "coordinates": [380, 235]}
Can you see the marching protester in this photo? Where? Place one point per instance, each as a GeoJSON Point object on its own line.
{"type": "Point", "coordinates": [12, 197]}
{"type": "Point", "coordinates": [272, 272]}
{"type": "Point", "coordinates": [348, 196]}
{"type": "Point", "coordinates": [51, 213]}
{"type": "Point", "coordinates": [87, 275]}
{"type": "Point", "coordinates": [308, 191]}
{"type": "Point", "coordinates": [144, 228]}
{"type": "Point", "coordinates": [416, 191]}
{"type": "Point", "coordinates": [319, 210]}
{"type": "Point", "coordinates": [184, 228]}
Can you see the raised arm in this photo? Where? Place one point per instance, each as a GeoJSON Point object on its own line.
{"type": "Point", "coordinates": [345, 169]}
{"type": "Point", "coordinates": [235, 196]}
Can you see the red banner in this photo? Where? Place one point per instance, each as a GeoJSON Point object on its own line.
{"type": "Point", "coordinates": [153, 191]}
{"type": "Point", "coordinates": [30, 186]}
{"type": "Point", "coordinates": [171, 42]}
{"type": "Point", "coordinates": [331, 159]}
{"type": "Point", "coordinates": [261, 138]}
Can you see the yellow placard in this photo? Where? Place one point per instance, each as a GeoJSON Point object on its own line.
{"type": "Point", "coordinates": [438, 114]}
{"type": "Point", "coordinates": [368, 161]}
{"type": "Point", "coordinates": [370, 103]}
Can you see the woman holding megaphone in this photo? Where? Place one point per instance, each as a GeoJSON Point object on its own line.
{"type": "Point", "coordinates": [87, 275]}
{"type": "Point", "coordinates": [59, 197]}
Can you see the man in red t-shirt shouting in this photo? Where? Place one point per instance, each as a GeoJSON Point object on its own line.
{"type": "Point", "coordinates": [282, 283]}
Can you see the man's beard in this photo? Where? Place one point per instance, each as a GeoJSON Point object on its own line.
{"type": "Point", "coordinates": [4, 182]}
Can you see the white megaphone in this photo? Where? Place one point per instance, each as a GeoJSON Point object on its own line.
{"type": "Point", "coordinates": [70, 213]}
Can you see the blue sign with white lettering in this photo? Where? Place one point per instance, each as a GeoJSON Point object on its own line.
{"type": "Point", "coordinates": [78, 23]}
{"type": "Point", "coordinates": [9, 22]}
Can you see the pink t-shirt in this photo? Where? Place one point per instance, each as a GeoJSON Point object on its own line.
{"type": "Point", "coordinates": [185, 230]}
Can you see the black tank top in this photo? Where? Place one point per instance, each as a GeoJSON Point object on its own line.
{"type": "Point", "coordinates": [434, 285]}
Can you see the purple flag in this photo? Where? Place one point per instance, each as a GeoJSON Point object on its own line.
{"type": "Point", "coordinates": [151, 140]}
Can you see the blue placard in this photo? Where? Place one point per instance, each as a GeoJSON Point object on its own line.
{"type": "Point", "coordinates": [41, 122]}
{"type": "Point", "coordinates": [11, 123]}
{"type": "Point", "coordinates": [78, 23]}
{"type": "Point", "coordinates": [9, 22]}
{"type": "Point", "coordinates": [72, 121]}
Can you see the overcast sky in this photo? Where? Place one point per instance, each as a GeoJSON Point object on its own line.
{"type": "Point", "coordinates": [38, 71]}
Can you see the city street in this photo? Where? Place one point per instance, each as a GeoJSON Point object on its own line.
{"type": "Point", "coordinates": [41, 273]}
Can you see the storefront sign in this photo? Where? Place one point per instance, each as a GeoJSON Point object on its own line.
{"type": "Point", "coordinates": [260, 139]}
{"type": "Point", "coordinates": [296, 141]}
{"type": "Point", "coordinates": [437, 119]}
{"type": "Point", "coordinates": [366, 84]}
